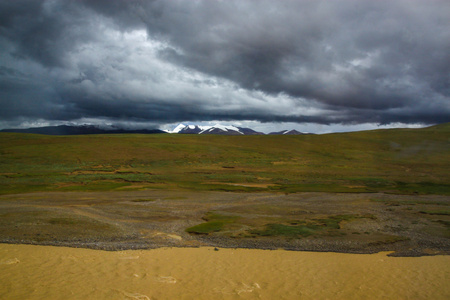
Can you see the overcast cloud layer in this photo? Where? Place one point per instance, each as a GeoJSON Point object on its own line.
{"type": "Point", "coordinates": [159, 62]}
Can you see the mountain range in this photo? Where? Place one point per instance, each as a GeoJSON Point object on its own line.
{"type": "Point", "coordinates": [180, 129]}
{"type": "Point", "coordinates": [80, 130]}
{"type": "Point", "coordinates": [216, 129]}
{"type": "Point", "coordinates": [225, 130]}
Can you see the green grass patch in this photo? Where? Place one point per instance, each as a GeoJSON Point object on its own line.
{"type": "Point", "coordinates": [143, 200]}
{"type": "Point", "coordinates": [206, 228]}
{"type": "Point", "coordinates": [63, 221]}
{"type": "Point", "coordinates": [305, 228]}
{"type": "Point", "coordinates": [422, 188]}
{"type": "Point", "coordinates": [215, 222]}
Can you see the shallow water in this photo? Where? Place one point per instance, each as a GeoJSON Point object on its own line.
{"type": "Point", "coordinates": [42, 272]}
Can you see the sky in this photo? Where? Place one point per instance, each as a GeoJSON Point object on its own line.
{"type": "Point", "coordinates": [313, 65]}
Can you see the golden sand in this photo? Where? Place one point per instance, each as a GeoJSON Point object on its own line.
{"type": "Point", "coordinates": [41, 272]}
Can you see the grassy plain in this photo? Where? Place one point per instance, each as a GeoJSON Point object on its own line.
{"type": "Point", "coordinates": [401, 161]}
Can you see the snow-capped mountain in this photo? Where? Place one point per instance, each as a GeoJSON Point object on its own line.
{"type": "Point", "coordinates": [177, 129]}
{"type": "Point", "coordinates": [221, 129]}
{"type": "Point", "coordinates": [110, 129]}
{"type": "Point", "coordinates": [216, 129]}
{"type": "Point", "coordinates": [191, 129]}
{"type": "Point", "coordinates": [288, 132]}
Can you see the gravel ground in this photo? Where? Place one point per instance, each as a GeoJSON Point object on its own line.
{"type": "Point", "coordinates": [408, 225]}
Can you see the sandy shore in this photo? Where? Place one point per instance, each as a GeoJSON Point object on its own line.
{"type": "Point", "coordinates": [46, 272]}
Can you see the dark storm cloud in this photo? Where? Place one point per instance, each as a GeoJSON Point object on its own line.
{"type": "Point", "coordinates": [43, 30]}
{"type": "Point", "coordinates": [347, 53]}
{"type": "Point", "coordinates": [271, 61]}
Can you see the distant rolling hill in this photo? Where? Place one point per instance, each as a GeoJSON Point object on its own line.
{"type": "Point", "coordinates": [80, 130]}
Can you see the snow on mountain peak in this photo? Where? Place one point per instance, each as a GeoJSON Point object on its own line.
{"type": "Point", "coordinates": [222, 130]}
{"type": "Point", "coordinates": [221, 127]}
{"type": "Point", "coordinates": [226, 128]}
{"type": "Point", "coordinates": [182, 128]}
{"type": "Point", "coordinates": [178, 128]}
